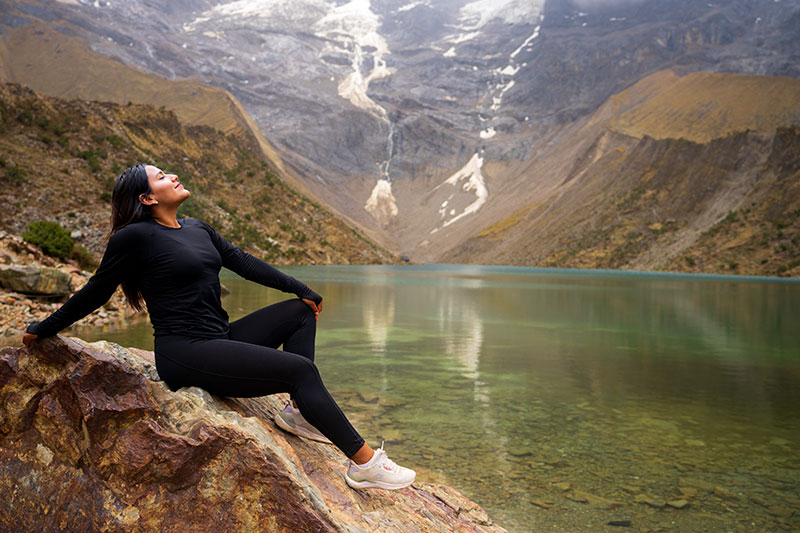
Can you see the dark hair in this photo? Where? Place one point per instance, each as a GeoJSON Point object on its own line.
{"type": "Point", "coordinates": [126, 208]}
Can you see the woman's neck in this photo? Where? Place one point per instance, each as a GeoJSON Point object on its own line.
{"type": "Point", "coordinates": [165, 216]}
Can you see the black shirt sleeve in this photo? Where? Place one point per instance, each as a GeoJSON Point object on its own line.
{"type": "Point", "coordinates": [254, 269]}
{"type": "Point", "coordinates": [120, 260]}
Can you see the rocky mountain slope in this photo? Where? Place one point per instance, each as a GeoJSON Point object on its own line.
{"type": "Point", "coordinates": [417, 120]}
{"type": "Point", "coordinates": [59, 159]}
{"type": "Point", "coordinates": [632, 201]}
{"type": "Point", "coordinates": [91, 438]}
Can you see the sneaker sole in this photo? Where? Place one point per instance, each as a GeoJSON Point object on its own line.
{"type": "Point", "coordinates": [300, 432]}
{"type": "Point", "coordinates": [376, 484]}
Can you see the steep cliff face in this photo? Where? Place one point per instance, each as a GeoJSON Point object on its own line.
{"type": "Point", "coordinates": [90, 438]}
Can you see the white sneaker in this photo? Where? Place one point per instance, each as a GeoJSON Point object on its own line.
{"type": "Point", "coordinates": [292, 421]}
{"type": "Point", "coordinates": [380, 472]}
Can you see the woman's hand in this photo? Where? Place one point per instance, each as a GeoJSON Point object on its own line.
{"type": "Point", "coordinates": [317, 308]}
{"type": "Point", "coordinates": [27, 338]}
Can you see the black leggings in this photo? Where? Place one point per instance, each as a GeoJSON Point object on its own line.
{"type": "Point", "coordinates": [247, 364]}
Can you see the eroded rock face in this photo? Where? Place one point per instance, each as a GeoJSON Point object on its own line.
{"type": "Point", "coordinates": [90, 438]}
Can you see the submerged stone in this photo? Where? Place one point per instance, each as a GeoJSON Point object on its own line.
{"type": "Point", "coordinates": [678, 504]}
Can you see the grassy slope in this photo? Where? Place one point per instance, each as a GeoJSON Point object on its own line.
{"type": "Point", "coordinates": [705, 202]}
{"type": "Point", "coordinates": [662, 202]}
{"type": "Point", "coordinates": [702, 106]}
{"type": "Point", "coordinates": [58, 159]}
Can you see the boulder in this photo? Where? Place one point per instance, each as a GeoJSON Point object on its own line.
{"type": "Point", "coordinates": [32, 279]}
{"type": "Point", "coordinates": [90, 438]}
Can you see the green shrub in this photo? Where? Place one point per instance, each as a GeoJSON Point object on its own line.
{"type": "Point", "coordinates": [15, 175]}
{"type": "Point", "coordinates": [50, 237]}
{"type": "Point", "coordinates": [115, 140]}
{"type": "Point", "coordinates": [84, 258]}
{"type": "Point", "coordinates": [91, 157]}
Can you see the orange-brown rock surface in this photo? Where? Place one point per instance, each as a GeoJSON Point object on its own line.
{"type": "Point", "coordinates": [91, 439]}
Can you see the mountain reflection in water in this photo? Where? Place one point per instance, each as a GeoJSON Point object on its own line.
{"type": "Point", "coordinates": [567, 399]}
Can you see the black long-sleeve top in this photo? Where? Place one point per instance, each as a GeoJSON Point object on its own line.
{"type": "Point", "coordinates": [177, 270]}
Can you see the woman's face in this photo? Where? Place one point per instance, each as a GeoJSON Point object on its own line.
{"type": "Point", "coordinates": [164, 188]}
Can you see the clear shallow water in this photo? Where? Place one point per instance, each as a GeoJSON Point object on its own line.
{"type": "Point", "coordinates": [532, 390]}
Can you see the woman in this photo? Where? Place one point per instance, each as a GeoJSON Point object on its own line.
{"type": "Point", "coordinates": [173, 265]}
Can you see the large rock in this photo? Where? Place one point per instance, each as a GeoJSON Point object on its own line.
{"type": "Point", "coordinates": [90, 439]}
{"type": "Point", "coordinates": [32, 279]}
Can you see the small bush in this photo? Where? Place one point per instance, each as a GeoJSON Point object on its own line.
{"type": "Point", "coordinates": [50, 237]}
{"type": "Point", "coordinates": [91, 157]}
{"type": "Point", "coordinates": [115, 140]}
{"type": "Point", "coordinates": [15, 175]}
{"type": "Point", "coordinates": [84, 259]}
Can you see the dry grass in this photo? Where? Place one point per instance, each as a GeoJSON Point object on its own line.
{"type": "Point", "coordinates": [702, 106]}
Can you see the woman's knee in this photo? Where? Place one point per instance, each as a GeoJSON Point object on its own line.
{"type": "Point", "coordinates": [305, 372]}
{"type": "Point", "coordinates": [301, 309]}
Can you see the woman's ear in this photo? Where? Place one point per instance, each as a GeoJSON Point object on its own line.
{"type": "Point", "coordinates": [146, 199]}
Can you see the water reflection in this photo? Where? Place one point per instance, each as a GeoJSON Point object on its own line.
{"type": "Point", "coordinates": [627, 386]}
{"type": "Point", "coordinates": [378, 318]}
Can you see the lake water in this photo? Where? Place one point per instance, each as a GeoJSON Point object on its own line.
{"type": "Point", "coordinates": [567, 400]}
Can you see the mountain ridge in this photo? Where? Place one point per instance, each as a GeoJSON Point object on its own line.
{"type": "Point", "coordinates": [71, 150]}
{"type": "Point", "coordinates": [424, 139]}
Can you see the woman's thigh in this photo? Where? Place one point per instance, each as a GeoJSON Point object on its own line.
{"type": "Point", "coordinates": [289, 323]}
{"type": "Point", "coordinates": [230, 368]}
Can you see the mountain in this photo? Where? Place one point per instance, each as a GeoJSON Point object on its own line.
{"type": "Point", "coordinates": [58, 160]}
{"type": "Point", "coordinates": [642, 185]}
{"type": "Point", "coordinates": [425, 122]}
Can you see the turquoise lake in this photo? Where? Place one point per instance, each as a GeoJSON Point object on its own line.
{"type": "Point", "coordinates": [566, 400]}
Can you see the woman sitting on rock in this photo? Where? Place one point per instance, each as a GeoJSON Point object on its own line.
{"type": "Point", "coordinates": [173, 265]}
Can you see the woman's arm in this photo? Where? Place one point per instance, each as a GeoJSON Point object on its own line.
{"type": "Point", "coordinates": [119, 261]}
{"type": "Point", "coordinates": [254, 269]}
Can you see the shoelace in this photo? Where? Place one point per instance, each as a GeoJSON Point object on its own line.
{"type": "Point", "coordinates": [386, 461]}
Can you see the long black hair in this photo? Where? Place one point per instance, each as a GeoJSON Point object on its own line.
{"type": "Point", "coordinates": [126, 208]}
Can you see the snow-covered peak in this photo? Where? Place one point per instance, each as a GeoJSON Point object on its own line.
{"type": "Point", "coordinates": [479, 13]}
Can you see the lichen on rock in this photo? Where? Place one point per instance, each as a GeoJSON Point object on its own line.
{"type": "Point", "coordinates": [89, 437]}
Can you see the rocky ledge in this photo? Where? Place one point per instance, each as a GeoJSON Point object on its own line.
{"type": "Point", "coordinates": [90, 438]}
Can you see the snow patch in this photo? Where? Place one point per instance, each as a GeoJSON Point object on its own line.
{"type": "Point", "coordinates": [381, 203]}
{"type": "Point", "coordinates": [473, 182]}
{"type": "Point", "coordinates": [497, 100]}
{"type": "Point", "coordinates": [412, 5]}
{"type": "Point", "coordinates": [462, 37]}
{"type": "Point", "coordinates": [451, 52]}
{"type": "Point", "coordinates": [488, 133]}
{"type": "Point", "coordinates": [527, 41]}
{"type": "Point", "coordinates": [261, 14]}
{"type": "Point", "coordinates": [479, 13]}
{"type": "Point", "coordinates": [510, 70]}
{"type": "Point", "coordinates": [356, 25]}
